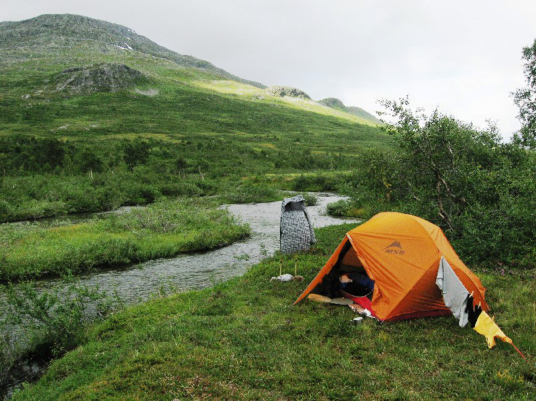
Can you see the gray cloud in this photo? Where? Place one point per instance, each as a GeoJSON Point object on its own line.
{"type": "Point", "coordinates": [461, 56]}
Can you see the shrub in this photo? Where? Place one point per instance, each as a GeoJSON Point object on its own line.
{"type": "Point", "coordinates": [347, 208]}
{"type": "Point", "coordinates": [46, 323]}
{"type": "Point", "coordinates": [480, 191]}
{"type": "Point", "coordinates": [310, 200]}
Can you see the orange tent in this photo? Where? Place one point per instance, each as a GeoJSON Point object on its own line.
{"type": "Point", "coordinates": [401, 253]}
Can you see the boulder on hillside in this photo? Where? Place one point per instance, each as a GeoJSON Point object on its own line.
{"type": "Point", "coordinates": [283, 91]}
{"type": "Point", "coordinates": [107, 77]}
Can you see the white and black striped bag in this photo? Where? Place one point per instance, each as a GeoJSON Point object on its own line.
{"type": "Point", "coordinates": [297, 233]}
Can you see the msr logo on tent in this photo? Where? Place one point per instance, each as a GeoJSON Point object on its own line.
{"type": "Point", "coordinates": [395, 248]}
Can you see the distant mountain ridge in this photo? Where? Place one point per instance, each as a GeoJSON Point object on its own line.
{"type": "Point", "coordinates": [337, 104]}
{"type": "Point", "coordinates": [56, 31]}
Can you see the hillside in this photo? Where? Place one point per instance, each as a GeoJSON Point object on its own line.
{"type": "Point", "coordinates": [36, 49]}
{"type": "Point", "coordinates": [337, 104]}
{"type": "Point", "coordinates": [60, 34]}
{"type": "Point", "coordinates": [124, 117]}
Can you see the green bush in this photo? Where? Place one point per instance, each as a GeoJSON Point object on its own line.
{"type": "Point", "coordinates": [250, 192]}
{"type": "Point", "coordinates": [310, 200]}
{"type": "Point", "coordinates": [480, 191]}
{"type": "Point", "coordinates": [347, 208]}
{"type": "Point", "coordinates": [316, 183]}
{"type": "Point", "coordinates": [47, 323]}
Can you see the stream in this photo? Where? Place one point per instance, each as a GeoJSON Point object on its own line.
{"type": "Point", "coordinates": [199, 270]}
{"type": "Point", "coordinates": [193, 271]}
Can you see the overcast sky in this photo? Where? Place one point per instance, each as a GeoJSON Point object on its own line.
{"type": "Point", "coordinates": [461, 56]}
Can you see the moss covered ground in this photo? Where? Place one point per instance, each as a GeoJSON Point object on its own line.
{"type": "Point", "coordinates": [244, 339]}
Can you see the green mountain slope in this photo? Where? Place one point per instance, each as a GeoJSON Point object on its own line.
{"type": "Point", "coordinates": [36, 50]}
{"type": "Point", "coordinates": [90, 88]}
{"type": "Point", "coordinates": [60, 34]}
{"type": "Point", "coordinates": [337, 104]}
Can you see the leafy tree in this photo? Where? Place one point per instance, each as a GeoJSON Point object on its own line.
{"type": "Point", "coordinates": [441, 159]}
{"type": "Point", "coordinates": [52, 152]}
{"type": "Point", "coordinates": [180, 163]}
{"type": "Point", "coordinates": [86, 160]}
{"type": "Point", "coordinates": [136, 152]}
{"type": "Point", "coordinates": [481, 192]}
{"type": "Point", "coordinates": [525, 100]}
{"type": "Point", "coordinates": [20, 153]}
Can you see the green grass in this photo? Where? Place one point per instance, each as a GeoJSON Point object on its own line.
{"type": "Point", "coordinates": [188, 102]}
{"type": "Point", "coordinates": [215, 158]}
{"type": "Point", "coordinates": [257, 94]}
{"type": "Point", "coordinates": [162, 229]}
{"type": "Point", "coordinates": [243, 339]}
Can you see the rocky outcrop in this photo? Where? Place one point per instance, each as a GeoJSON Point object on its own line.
{"type": "Point", "coordinates": [95, 78]}
{"type": "Point", "coordinates": [285, 91]}
{"type": "Point", "coordinates": [333, 102]}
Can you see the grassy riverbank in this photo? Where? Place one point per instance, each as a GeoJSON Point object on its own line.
{"type": "Point", "coordinates": [244, 339]}
{"type": "Point", "coordinates": [163, 229]}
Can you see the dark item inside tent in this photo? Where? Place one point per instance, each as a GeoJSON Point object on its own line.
{"type": "Point", "coordinates": [347, 278]}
